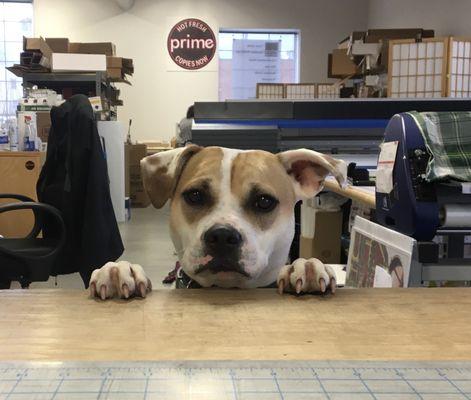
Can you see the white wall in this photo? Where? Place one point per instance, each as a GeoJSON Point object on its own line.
{"type": "Point", "coordinates": [158, 99]}
{"type": "Point", "coordinates": [451, 17]}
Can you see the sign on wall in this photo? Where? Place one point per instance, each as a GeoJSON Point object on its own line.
{"type": "Point", "coordinates": [254, 61]}
{"type": "Point", "coordinates": [191, 44]}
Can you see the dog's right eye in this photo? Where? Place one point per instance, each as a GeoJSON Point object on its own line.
{"type": "Point", "coordinates": [194, 197]}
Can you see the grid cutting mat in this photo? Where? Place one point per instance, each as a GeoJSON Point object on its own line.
{"type": "Point", "coordinates": [237, 380]}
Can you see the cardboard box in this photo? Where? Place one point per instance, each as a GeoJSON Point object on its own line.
{"type": "Point", "coordinates": [136, 153]}
{"type": "Point", "coordinates": [126, 64]}
{"type": "Point", "coordinates": [38, 45]}
{"type": "Point", "coordinates": [135, 173]}
{"type": "Point", "coordinates": [114, 73]}
{"type": "Point", "coordinates": [377, 35]}
{"type": "Point", "coordinates": [384, 35]}
{"type": "Point", "coordinates": [106, 48]}
{"type": "Point", "coordinates": [139, 198]}
{"type": "Point", "coordinates": [127, 186]}
{"type": "Point", "coordinates": [134, 188]}
{"type": "Point", "coordinates": [58, 45]}
{"type": "Point", "coordinates": [62, 62]}
{"type": "Point", "coordinates": [325, 243]}
{"type": "Point", "coordinates": [43, 124]}
{"type": "Point", "coordinates": [118, 62]}
{"type": "Point", "coordinates": [342, 65]}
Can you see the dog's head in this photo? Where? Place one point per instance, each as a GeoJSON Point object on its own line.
{"type": "Point", "coordinates": [232, 219]}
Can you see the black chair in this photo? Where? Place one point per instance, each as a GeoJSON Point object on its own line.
{"type": "Point", "coordinates": [30, 259]}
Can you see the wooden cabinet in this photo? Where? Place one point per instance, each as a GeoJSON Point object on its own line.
{"type": "Point", "coordinates": [19, 172]}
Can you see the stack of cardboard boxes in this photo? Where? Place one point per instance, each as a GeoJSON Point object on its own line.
{"type": "Point", "coordinates": [61, 55]}
{"type": "Point", "coordinates": [363, 56]}
{"type": "Point", "coordinates": [321, 232]}
{"type": "Point", "coordinates": [117, 68]}
{"type": "Point", "coordinates": [349, 57]}
{"type": "Point", "coordinates": [133, 154]}
{"type": "Point", "coordinates": [134, 188]}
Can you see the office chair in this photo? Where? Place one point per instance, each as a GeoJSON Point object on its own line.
{"type": "Point", "coordinates": [30, 259]}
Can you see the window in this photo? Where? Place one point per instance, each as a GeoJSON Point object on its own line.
{"type": "Point", "coordinates": [16, 21]}
{"type": "Point", "coordinates": [248, 57]}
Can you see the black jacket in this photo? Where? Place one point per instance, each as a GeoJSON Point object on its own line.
{"type": "Point", "coordinates": [75, 180]}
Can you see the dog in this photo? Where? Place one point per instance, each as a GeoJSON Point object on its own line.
{"type": "Point", "coordinates": [231, 218]}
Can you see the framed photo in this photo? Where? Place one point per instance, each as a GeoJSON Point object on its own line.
{"type": "Point", "coordinates": [378, 256]}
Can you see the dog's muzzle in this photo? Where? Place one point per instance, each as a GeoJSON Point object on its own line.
{"type": "Point", "coordinates": [223, 243]}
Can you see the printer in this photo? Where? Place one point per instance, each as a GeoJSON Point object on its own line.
{"type": "Point", "coordinates": [427, 162]}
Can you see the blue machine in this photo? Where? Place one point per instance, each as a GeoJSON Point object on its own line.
{"type": "Point", "coordinates": [417, 208]}
{"type": "Point", "coordinates": [350, 129]}
{"type": "Point", "coordinates": [412, 207]}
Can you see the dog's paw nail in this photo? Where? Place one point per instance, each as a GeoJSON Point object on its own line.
{"type": "Point", "coordinates": [103, 292]}
{"type": "Point", "coordinates": [125, 290]}
{"type": "Point", "coordinates": [333, 285]}
{"type": "Point", "coordinates": [281, 286]}
{"type": "Point", "coordinates": [299, 286]}
{"type": "Point", "coordinates": [93, 289]}
{"type": "Point", "coordinates": [114, 273]}
{"type": "Point", "coordinates": [142, 289]}
{"type": "Point", "coordinates": [322, 284]}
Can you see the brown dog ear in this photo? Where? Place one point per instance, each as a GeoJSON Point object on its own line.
{"type": "Point", "coordinates": [308, 169]}
{"type": "Point", "coordinates": [161, 171]}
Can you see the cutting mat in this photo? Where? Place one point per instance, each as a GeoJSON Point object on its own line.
{"type": "Point", "coordinates": [235, 380]}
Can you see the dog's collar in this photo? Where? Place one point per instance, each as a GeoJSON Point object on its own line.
{"type": "Point", "coordinates": [183, 281]}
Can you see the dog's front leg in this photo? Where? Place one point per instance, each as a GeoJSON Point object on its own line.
{"type": "Point", "coordinates": [306, 276]}
{"type": "Point", "coordinates": [119, 279]}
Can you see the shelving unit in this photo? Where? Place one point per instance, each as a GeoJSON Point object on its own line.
{"type": "Point", "coordinates": [87, 83]}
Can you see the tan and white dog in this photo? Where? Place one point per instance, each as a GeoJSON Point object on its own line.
{"type": "Point", "coordinates": [231, 219]}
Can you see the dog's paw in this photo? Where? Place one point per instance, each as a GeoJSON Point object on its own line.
{"type": "Point", "coordinates": [119, 279]}
{"type": "Point", "coordinates": [306, 276]}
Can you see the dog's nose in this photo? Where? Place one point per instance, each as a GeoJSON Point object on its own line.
{"type": "Point", "coordinates": [222, 238]}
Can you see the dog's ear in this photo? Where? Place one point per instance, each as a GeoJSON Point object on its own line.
{"type": "Point", "coordinates": [161, 171]}
{"type": "Point", "coordinates": [308, 169]}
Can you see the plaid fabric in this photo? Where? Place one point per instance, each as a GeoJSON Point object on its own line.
{"type": "Point", "coordinates": [447, 136]}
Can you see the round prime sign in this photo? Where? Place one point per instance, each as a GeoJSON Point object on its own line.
{"type": "Point", "coordinates": [191, 44]}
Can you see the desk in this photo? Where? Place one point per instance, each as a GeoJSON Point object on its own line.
{"type": "Point", "coordinates": [199, 324]}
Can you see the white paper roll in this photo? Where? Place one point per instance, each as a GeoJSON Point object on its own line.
{"type": "Point", "coordinates": [456, 216]}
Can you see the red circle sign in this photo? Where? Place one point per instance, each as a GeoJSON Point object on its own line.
{"type": "Point", "coordinates": [191, 44]}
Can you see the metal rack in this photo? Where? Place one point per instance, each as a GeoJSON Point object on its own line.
{"type": "Point", "coordinates": [96, 82]}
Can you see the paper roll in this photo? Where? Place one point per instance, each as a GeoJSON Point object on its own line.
{"type": "Point", "coordinates": [455, 216]}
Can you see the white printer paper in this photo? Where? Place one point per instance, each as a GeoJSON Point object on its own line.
{"type": "Point", "coordinates": [384, 173]}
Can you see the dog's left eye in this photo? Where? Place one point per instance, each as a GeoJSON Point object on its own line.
{"type": "Point", "coordinates": [265, 203]}
{"type": "Point", "coordinates": [194, 197]}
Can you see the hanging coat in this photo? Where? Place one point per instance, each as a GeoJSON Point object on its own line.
{"type": "Point", "coordinates": [75, 180]}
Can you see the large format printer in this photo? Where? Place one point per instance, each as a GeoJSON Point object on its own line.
{"type": "Point", "coordinates": [351, 129]}
{"type": "Point", "coordinates": [430, 197]}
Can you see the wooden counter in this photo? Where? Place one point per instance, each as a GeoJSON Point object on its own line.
{"type": "Point", "coordinates": [367, 324]}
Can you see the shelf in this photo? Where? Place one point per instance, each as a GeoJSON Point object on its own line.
{"type": "Point", "coordinates": [64, 77]}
